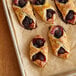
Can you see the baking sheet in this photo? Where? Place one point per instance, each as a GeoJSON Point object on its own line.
{"type": "Point", "coordinates": [55, 65]}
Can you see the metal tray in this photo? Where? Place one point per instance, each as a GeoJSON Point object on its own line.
{"type": "Point", "coordinates": [71, 73]}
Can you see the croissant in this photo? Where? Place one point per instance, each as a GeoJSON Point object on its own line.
{"type": "Point", "coordinates": [24, 15]}
{"type": "Point", "coordinates": [45, 10]}
{"type": "Point", "coordinates": [66, 10]}
{"type": "Point", "coordinates": [59, 43]}
{"type": "Point", "coordinates": [39, 51]}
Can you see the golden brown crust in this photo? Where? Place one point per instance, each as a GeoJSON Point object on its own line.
{"type": "Point", "coordinates": [43, 50]}
{"type": "Point", "coordinates": [56, 43]}
{"type": "Point", "coordinates": [41, 10]}
{"type": "Point", "coordinates": [22, 12]}
{"type": "Point", "coordinates": [65, 8]}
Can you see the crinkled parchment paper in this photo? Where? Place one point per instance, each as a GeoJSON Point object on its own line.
{"type": "Point", "coordinates": [55, 65]}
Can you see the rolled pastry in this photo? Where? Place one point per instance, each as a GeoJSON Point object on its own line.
{"type": "Point", "coordinates": [24, 15]}
{"type": "Point", "coordinates": [59, 43]}
{"type": "Point", "coordinates": [45, 10]}
{"type": "Point", "coordinates": [39, 51]}
{"type": "Point", "coordinates": [67, 10]}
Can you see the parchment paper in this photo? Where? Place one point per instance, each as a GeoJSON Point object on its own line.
{"type": "Point", "coordinates": [55, 65]}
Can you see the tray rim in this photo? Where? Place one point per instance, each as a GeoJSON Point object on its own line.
{"type": "Point", "coordinates": [13, 38]}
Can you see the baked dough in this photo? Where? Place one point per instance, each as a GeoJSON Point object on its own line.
{"type": "Point", "coordinates": [45, 10]}
{"type": "Point", "coordinates": [24, 15]}
{"type": "Point", "coordinates": [39, 51]}
{"type": "Point", "coordinates": [66, 10]}
{"type": "Point", "coordinates": [59, 43]}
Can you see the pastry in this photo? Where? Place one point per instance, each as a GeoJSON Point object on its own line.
{"type": "Point", "coordinates": [67, 10]}
{"type": "Point", "coordinates": [25, 16]}
{"type": "Point", "coordinates": [39, 51]}
{"type": "Point", "coordinates": [59, 43]}
{"type": "Point", "coordinates": [45, 10]}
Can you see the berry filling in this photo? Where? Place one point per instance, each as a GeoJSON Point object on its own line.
{"type": "Point", "coordinates": [20, 3]}
{"type": "Point", "coordinates": [38, 2]}
{"type": "Point", "coordinates": [50, 14]}
{"type": "Point", "coordinates": [61, 51]}
{"type": "Point", "coordinates": [57, 31]}
{"type": "Point", "coordinates": [28, 23]}
{"type": "Point", "coordinates": [38, 42]}
{"type": "Point", "coordinates": [70, 16]}
{"type": "Point", "coordinates": [63, 1]}
{"type": "Point", "coordinates": [38, 56]}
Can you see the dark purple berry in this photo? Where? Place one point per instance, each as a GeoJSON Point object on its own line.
{"type": "Point", "coordinates": [38, 42]}
{"type": "Point", "coordinates": [58, 32]}
{"type": "Point", "coordinates": [61, 50]}
{"type": "Point", "coordinates": [38, 2]}
{"type": "Point", "coordinates": [63, 1]}
{"type": "Point", "coordinates": [27, 22]}
{"type": "Point", "coordinates": [50, 13]}
{"type": "Point", "coordinates": [70, 15]}
{"type": "Point", "coordinates": [20, 3]}
{"type": "Point", "coordinates": [38, 56]}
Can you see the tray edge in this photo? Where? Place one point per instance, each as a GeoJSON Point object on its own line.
{"type": "Point", "coordinates": [13, 38]}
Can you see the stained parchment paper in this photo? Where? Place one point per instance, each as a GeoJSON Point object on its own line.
{"type": "Point", "coordinates": [55, 65]}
